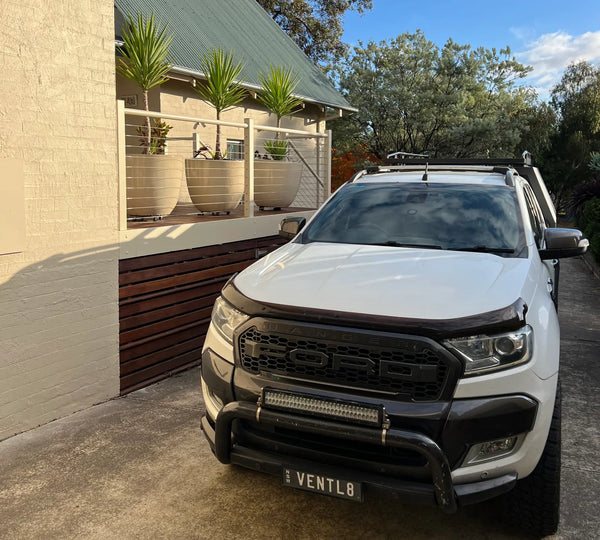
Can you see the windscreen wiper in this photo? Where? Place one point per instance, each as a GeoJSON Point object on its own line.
{"type": "Point", "coordinates": [403, 244]}
{"type": "Point", "coordinates": [483, 249]}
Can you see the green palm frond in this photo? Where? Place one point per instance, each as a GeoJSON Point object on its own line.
{"type": "Point", "coordinates": [221, 89]}
{"type": "Point", "coordinates": [277, 93]}
{"type": "Point", "coordinates": [145, 51]}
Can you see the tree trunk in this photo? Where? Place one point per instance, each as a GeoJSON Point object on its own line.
{"type": "Point", "coordinates": [148, 127]}
{"type": "Point", "coordinates": [218, 154]}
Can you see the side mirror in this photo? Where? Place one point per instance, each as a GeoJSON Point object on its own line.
{"type": "Point", "coordinates": [290, 227]}
{"type": "Point", "coordinates": [562, 243]}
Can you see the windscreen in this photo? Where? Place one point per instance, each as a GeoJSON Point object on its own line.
{"type": "Point", "coordinates": [466, 217]}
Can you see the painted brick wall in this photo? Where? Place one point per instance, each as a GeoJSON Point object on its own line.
{"type": "Point", "coordinates": [58, 298]}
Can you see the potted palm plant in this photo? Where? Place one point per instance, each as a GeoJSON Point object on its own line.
{"type": "Point", "coordinates": [217, 184]}
{"type": "Point", "coordinates": [153, 178]}
{"type": "Point", "coordinates": [277, 180]}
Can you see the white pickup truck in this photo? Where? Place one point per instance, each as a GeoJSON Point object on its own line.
{"type": "Point", "coordinates": [406, 340]}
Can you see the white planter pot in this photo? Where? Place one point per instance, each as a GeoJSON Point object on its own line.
{"type": "Point", "coordinates": [153, 183]}
{"type": "Point", "coordinates": [276, 183]}
{"type": "Point", "coordinates": [215, 185]}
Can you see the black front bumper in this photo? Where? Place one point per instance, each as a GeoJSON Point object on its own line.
{"type": "Point", "coordinates": [412, 457]}
{"type": "Point", "coordinates": [441, 492]}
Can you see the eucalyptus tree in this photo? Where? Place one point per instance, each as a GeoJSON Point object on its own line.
{"type": "Point", "coordinates": [453, 101]}
{"type": "Point", "coordinates": [315, 25]}
{"type": "Point", "coordinates": [576, 102]}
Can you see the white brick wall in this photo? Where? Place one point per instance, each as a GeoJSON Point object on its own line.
{"type": "Point", "coordinates": [58, 299]}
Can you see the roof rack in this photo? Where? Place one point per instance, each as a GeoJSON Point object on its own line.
{"type": "Point", "coordinates": [510, 167]}
{"type": "Point", "coordinates": [524, 161]}
{"type": "Point", "coordinates": [507, 170]}
{"type": "Point", "coordinates": [394, 155]}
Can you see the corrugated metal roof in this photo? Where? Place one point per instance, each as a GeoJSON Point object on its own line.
{"type": "Point", "coordinates": [240, 26]}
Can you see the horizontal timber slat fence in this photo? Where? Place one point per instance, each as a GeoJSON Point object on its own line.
{"type": "Point", "coordinates": [165, 303]}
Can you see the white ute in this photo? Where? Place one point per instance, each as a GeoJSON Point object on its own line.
{"type": "Point", "coordinates": [406, 339]}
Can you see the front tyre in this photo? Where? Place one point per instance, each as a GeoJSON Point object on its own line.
{"type": "Point", "coordinates": [534, 504]}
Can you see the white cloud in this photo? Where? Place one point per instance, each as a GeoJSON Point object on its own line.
{"type": "Point", "coordinates": [550, 54]}
{"type": "Point", "coordinates": [524, 34]}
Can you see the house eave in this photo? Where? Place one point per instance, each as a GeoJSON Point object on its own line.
{"type": "Point", "coordinates": [184, 74]}
{"type": "Point", "coordinates": [192, 75]}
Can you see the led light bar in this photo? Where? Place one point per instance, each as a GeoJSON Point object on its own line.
{"type": "Point", "coordinates": [346, 411]}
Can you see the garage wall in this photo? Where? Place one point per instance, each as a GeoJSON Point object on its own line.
{"type": "Point", "coordinates": [58, 287]}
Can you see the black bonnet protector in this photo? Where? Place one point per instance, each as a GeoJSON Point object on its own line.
{"type": "Point", "coordinates": [506, 319]}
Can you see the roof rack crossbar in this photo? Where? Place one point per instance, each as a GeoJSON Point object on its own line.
{"type": "Point", "coordinates": [403, 155]}
{"type": "Point", "coordinates": [491, 162]}
{"type": "Point", "coordinates": [508, 171]}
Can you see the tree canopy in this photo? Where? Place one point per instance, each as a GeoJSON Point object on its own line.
{"type": "Point", "coordinates": [453, 101]}
{"type": "Point", "coordinates": [575, 136]}
{"type": "Point", "coordinates": [315, 25]}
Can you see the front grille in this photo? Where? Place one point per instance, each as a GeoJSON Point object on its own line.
{"type": "Point", "coordinates": [411, 367]}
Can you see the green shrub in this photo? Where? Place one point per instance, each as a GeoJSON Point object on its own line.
{"type": "Point", "coordinates": [589, 222]}
{"type": "Point", "coordinates": [277, 149]}
{"type": "Point", "coordinates": [158, 136]}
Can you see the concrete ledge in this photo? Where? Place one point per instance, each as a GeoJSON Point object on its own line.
{"type": "Point", "coordinates": [154, 240]}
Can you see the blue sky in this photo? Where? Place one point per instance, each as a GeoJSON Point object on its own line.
{"type": "Point", "coordinates": [548, 35]}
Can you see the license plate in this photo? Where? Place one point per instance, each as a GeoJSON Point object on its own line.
{"type": "Point", "coordinates": [322, 483]}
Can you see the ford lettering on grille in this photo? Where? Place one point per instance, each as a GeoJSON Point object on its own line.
{"type": "Point", "coordinates": [307, 357]}
{"type": "Point", "coordinates": [412, 367]}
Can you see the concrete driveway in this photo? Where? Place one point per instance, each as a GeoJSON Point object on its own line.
{"type": "Point", "coordinates": [139, 467]}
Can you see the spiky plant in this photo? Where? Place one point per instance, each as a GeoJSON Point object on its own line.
{"type": "Point", "coordinates": [144, 59]}
{"type": "Point", "coordinates": [582, 194]}
{"type": "Point", "coordinates": [277, 149]}
{"type": "Point", "coordinates": [222, 89]}
{"type": "Point", "coordinates": [278, 97]}
{"type": "Point", "coordinates": [277, 93]}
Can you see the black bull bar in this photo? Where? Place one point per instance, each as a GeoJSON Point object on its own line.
{"type": "Point", "coordinates": [394, 438]}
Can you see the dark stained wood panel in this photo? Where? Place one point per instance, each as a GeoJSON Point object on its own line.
{"type": "Point", "coordinates": [170, 312]}
{"type": "Point", "coordinates": [165, 302]}
{"type": "Point", "coordinates": [153, 285]}
{"type": "Point", "coordinates": [165, 325]}
{"type": "Point", "coordinates": [186, 267]}
{"type": "Point", "coordinates": [136, 350]}
{"type": "Point", "coordinates": [160, 356]}
{"type": "Point", "coordinates": [149, 302]}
